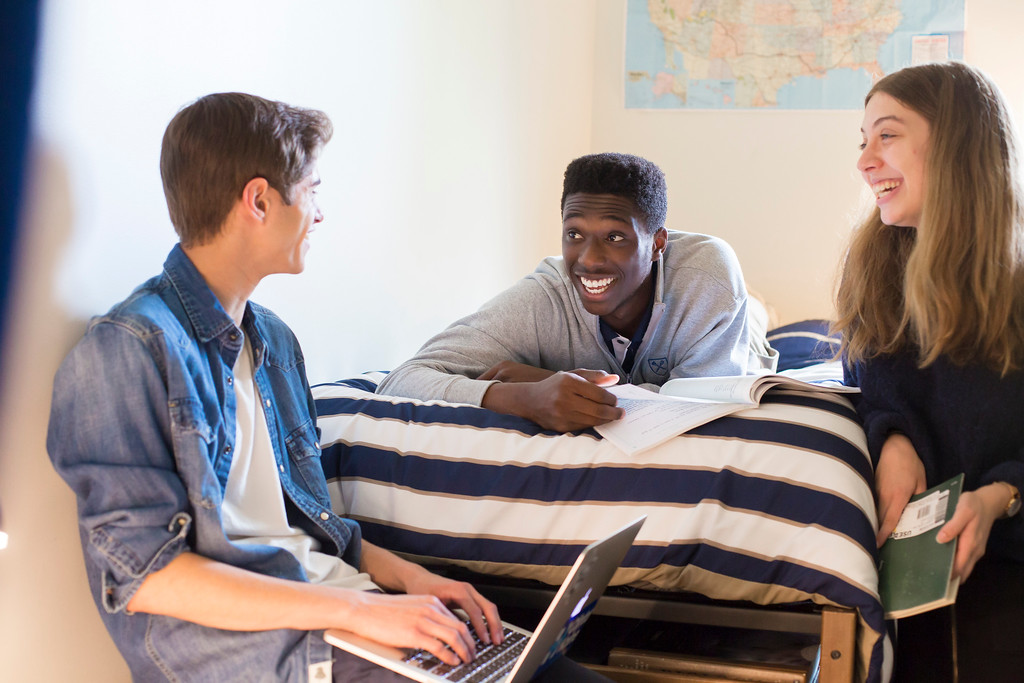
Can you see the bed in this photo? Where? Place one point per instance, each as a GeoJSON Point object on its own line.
{"type": "Point", "coordinates": [770, 506]}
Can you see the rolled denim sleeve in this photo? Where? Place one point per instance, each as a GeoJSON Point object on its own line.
{"type": "Point", "coordinates": [110, 437]}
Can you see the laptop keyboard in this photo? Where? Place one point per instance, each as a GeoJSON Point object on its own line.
{"type": "Point", "coordinates": [491, 664]}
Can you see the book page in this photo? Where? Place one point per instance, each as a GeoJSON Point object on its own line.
{"type": "Point", "coordinates": [733, 389]}
{"type": "Point", "coordinates": [750, 388]}
{"type": "Point", "coordinates": [651, 419]}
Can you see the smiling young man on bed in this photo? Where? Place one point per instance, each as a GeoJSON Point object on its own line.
{"type": "Point", "coordinates": [628, 300]}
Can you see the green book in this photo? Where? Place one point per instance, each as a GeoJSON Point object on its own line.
{"type": "Point", "coordinates": [915, 570]}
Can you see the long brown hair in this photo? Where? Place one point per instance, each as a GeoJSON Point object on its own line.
{"type": "Point", "coordinates": [953, 286]}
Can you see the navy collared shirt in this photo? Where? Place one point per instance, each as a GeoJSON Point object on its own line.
{"type": "Point", "coordinates": [622, 348]}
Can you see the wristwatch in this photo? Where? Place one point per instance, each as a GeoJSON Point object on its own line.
{"type": "Point", "coordinates": [1013, 507]}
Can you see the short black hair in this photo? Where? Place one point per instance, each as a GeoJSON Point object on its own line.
{"type": "Point", "coordinates": [623, 175]}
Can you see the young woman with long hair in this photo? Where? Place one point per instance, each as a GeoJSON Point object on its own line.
{"type": "Point", "coordinates": [931, 310]}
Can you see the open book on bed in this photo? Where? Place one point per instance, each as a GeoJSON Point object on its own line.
{"type": "Point", "coordinates": [686, 402]}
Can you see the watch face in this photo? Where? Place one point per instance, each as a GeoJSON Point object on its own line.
{"type": "Point", "coordinates": [1013, 507]}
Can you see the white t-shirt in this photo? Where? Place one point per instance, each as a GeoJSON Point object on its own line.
{"type": "Point", "coordinates": [254, 508]}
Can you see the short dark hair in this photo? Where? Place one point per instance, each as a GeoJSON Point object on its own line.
{"type": "Point", "coordinates": [623, 175]}
{"type": "Point", "coordinates": [217, 144]}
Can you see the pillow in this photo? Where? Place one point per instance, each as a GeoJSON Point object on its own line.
{"type": "Point", "coordinates": [804, 343]}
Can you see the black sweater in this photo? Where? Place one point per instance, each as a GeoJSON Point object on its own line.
{"type": "Point", "coordinates": [960, 419]}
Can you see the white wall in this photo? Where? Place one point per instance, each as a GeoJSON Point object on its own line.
{"type": "Point", "coordinates": [455, 119]}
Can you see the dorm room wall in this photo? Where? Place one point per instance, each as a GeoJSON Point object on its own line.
{"type": "Point", "coordinates": [454, 121]}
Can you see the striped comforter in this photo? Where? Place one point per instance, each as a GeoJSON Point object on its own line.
{"type": "Point", "coordinates": [770, 505]}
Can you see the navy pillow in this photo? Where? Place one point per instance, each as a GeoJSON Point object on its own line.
{"type": "Point", "coordinates": [803, 343]}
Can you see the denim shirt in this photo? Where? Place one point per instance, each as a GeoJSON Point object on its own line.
{"type": "Point", "coordinates": [142, 428]}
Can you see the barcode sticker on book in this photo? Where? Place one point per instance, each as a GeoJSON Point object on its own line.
{"type": "Point", "coordinates": [922, 515]}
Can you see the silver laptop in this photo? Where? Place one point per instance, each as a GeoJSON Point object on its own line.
{"type": "Point", "coordinates": [522, 654]}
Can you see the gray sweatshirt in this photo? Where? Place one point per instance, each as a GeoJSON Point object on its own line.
{"type": "Point", "coordinates": [698, 327]}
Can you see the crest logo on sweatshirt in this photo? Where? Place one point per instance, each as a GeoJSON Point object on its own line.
{"type": "Point", "coordinates": [658, 365]}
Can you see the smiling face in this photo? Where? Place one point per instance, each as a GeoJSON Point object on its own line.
{"type": "Point", "coordinates": [892, 160]}
{"type": "Point", "coordinates": [292, 223]}
{"type": "Point", "coordinates": [608, 254]}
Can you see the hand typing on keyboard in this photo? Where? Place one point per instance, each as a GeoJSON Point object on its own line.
{"type": "Point", "coordinates": [422, 618]}
{"type": "Point", "coordinates": [492, 661]}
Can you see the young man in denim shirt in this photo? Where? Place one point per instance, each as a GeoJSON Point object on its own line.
{"type": "Point", "coordinates": [184, 423]}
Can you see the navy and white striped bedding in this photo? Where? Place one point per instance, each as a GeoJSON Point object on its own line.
{"type": "Point", "coordinates": [770, 505]}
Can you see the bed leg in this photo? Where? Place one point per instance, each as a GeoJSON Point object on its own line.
{"type": "Point", "coordinates": [838, 631]}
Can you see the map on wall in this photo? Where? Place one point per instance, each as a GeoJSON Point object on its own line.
{"type": "Point", "coordinates": [780, 54]}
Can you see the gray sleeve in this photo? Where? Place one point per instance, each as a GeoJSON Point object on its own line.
{"type": "Point", "coordinates": [446, 367]}
{"type": "Point", "coordinates": [720, 337]}
{"type": "Point", "coordinates": [714, 332]}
